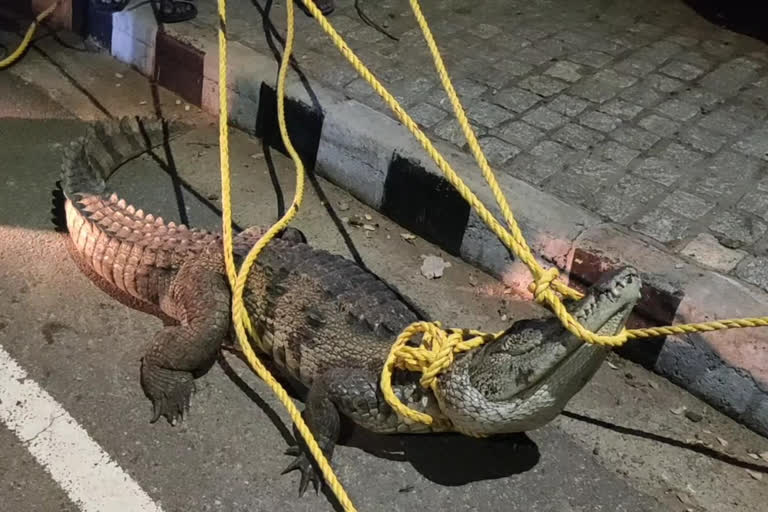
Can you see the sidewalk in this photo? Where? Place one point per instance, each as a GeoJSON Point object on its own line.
{"type": "Point", "coordinates": [629, 135]}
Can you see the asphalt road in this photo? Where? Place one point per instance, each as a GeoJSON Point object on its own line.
{"type": "Point", "coordinates": [70, 399]}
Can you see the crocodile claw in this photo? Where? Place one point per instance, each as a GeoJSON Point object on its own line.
{"type": "Point", "coordinates": [175, 405]}
{"type": "Point", "coordinates": [303, 464]}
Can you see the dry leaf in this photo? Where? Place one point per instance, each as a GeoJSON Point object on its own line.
{"type": "Point", "coordinates": [369, 227]}
{"type": "Point", "coordinates": [753, 455]}
{"type": "Point", "coordinates": [755, 474]}
{"type": "Point", "coordinates": [368, 217]}
{"type": "Point", "coordinates": [764, 456]}
{"type": "Point", "coordinates": [612, 366]}
{"type": "Point", "coordinates": [678, 411]}
{"type": "Point", "coordinates": [408, 237]}
{"type": "Point", "coordinates": [722, 441]}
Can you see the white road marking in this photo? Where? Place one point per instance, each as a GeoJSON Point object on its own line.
{"type": "Point", "coordinates": [76, 462]}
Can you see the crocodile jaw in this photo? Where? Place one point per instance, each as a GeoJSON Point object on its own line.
{"type": "Point", "coordinates": [526, 378]}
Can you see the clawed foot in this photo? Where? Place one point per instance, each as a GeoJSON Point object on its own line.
{"type": "Point", "coordinates": [304, 464]}
{"type": "Point", "coordinates": [170, 392]}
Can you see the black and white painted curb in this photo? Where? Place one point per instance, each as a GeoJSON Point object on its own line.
{"type": "Point", "coordinates": [379, 162]}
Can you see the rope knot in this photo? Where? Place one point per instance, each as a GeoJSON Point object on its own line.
{"type": "Point", "coordinates": [542, 286]}
{"type": "Point", "coordinates": [434, 355]}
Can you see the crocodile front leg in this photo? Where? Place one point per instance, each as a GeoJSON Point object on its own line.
{"type": "Point", "coordinates": [199, 299]}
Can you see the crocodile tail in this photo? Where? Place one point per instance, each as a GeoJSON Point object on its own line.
{"type": "Point", "coordinates": [117, 241]}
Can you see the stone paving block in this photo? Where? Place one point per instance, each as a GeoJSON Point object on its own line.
{"type": "Point", "coordinates": [532, 33]}
{"type": "Point", "coordinates": [658, 52]}
{"type": "Point", "coordinates": [755, 144]}
{"type": "Point", "coordinates": [724, 174]}
{"type": "Point", "coordinates": [497, 151]}
{"type": "Point", "coordinates": [427, 115]}
{"type": "Point", "coordinates": [465, 88]}
{"type": "Point", "coordinates": [724, 122]}
{"type": "Point", "coordinates": [754, 269]}
{"type": "Point", "coordinates": [485, 31]}
{"type": "Point", "coordinates": [658, 170]}
{"type": "Point", "coordinates": [682, 156]}
{"type": "Point", "coordinates": [700, 97]}
{"type": "Point", "coordinates": [575, 39]}
{"type": "Point", "coordinates": [641, 94]}
{"type": "Point", "coordinates": [728, 78]}
{"type": "Point", "coordinates": [698, 59]}
{"type": "Point", "coordinates": [717, 48]}
{"type": "Point", "coordinates": [564, 70]}
{"type": "Point", "coordinates": [736, 230]}
{"type": "Point", "coordinates": [568, 105]}
{"type": "Point", "coordinates": [682, 70]}
{"type": "Point", "coordinates": [687, 205]}
{"type": "Point", "coordinates": [682, 40]}
{"type": "Point", "coordinates": [532, 169]}
{"type": "Point", "coordinates": [570, 187]}
{"type": "Point", "coordinates": [705, 249]}
{"type": "Point", "coordinates": [532, 56]}
{"type": "Point", "coordinates": [553, 151]}
{"type": "Point", "coordinates": [449, 130]}
{"type": "Point", "coordinates": [603, 48]}
{"type": "Point", "coordinates": [621, 200]}
{"type": "Point", "coordinates": [544, 118]}
{"type": "Point", "coordinates": [621, 109]}
{"type": "Point", "coordinates": [410, 91]}
{"type": "Point", "coordinates": [487, 114]}
{"type": "Point", "coordinates": [635, 66]}
{"type": "Point", "coordinates": [635, 137]}
{"type": "Point", "coordinates": [678, 110]}
{"type": "Point", "coordinates": [755, 202]}
{"type": "Point", "coordinates": [513, 67]}
{"type": "Point", "coordinates": [521, 134]}
{"type": "Point", "coordinates": [578, 137]}
{"type": "Point", "coordinates": [542, 85]}
{"type": "Point", "coordinates": [702, 139]}
{"type": "Point", "coordinates": [662, 225]}
{"type": "Point", "coordinates": [616, 153]}
{"type": "Point", "coordinates": [551, 47]}
{"type": "Point", "coordinates": [595, 171]}
{"type": "Point", "coordinates": [662, 83]}
{"type": "Point", "coordinates": [600, 121]}
{"type": "Point", "coordinates": [602, 86]}
{"type": "Point", "coordinates": [515, 99]}
{"type": "Point", "coordinates": [659, 125]}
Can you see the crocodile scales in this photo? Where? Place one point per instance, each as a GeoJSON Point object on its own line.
{"type": "Point", "coordinates": [322, 320]}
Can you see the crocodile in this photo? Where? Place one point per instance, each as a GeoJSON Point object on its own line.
{"type": "Point", "coordinates": [322, 320]}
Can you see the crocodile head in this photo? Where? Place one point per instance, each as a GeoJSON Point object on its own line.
{"type": "Point", "coordinates": [525, 378]}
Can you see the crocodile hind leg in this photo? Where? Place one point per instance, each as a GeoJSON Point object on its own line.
{"type": "Point", "coordinates": [352, 392]}
{"type": "Point", "coordinates": [199, 299]}
{"type": "Point", "coordinates": [322, 417]}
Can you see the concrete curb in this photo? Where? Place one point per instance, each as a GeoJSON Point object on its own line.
{"type": "Point", "coordinates": [379, 162]}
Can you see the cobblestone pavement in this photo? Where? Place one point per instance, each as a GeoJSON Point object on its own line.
{"type": "Point", "coordinates": [642, 112]}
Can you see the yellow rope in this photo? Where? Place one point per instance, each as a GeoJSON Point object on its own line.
{"type": "Point", "coordinates": [433, 356]}
{"type": "Point", "coordinates": [238, 280]}
{"type": "Point", "coordinates": [28, 36]}
{"type": "Point", "coordinates": [438, 346]}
